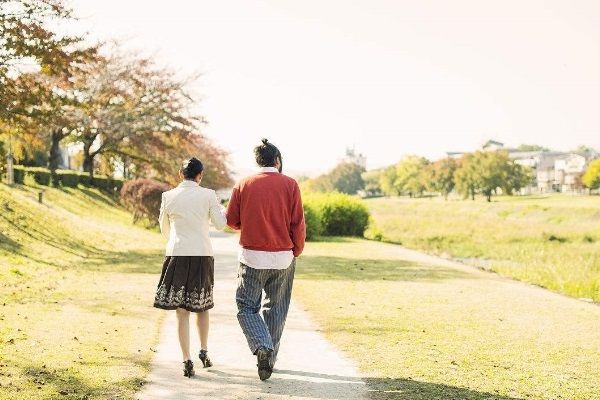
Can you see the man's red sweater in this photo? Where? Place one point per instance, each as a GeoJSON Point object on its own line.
{"type": "Point", "coordinates": [267, 207]}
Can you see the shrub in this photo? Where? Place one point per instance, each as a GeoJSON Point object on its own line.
{"type": "Point", "coordinates": [19, 174]}
{"type": "Point", "coordinates": [313, 221]}
{"type": "Point", "coordinates": [142, 197]}
{"type": "Point", "coordinates": [67, 177]}
{"type": "Point", "coordinates": [40, 175]}
{"type": "Point", "coordinates": [339, 214]}
{"type": "Point", "coordinates": [84, 178]}
{"type": "Point", "coordinates": [102, 182]}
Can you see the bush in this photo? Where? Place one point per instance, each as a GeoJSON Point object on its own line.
{"type": "Point", "coordinates": [142, 197]}
{"type": "Point", "coordinates": [339, 214]}
{"type": "Point", "coordinates": [313, 221]}
{"type": "Point", "coordinates": [84, 178]}
{"type": "Point", "coordinates": [39, 175]}
{"type": "Point", "coordinates": [102, 182]}
{"type": "Point", "coordinates": [68, 178]}
{"type": "Point", "coordinates": [19, 174]}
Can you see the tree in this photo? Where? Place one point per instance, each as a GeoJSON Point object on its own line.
{"type": "Point", "coordinates": [130, 108]}
{"type": "Point", "coordinates": [387, 181]}
{"type": "Point", "coordinates": [439, 176]}
{"type": "Point", "coordinates": [25, 37]}
{"type": "Point", "coordinates": [466, 176]}
{"type": "Point", "coordinates": [410, 175]}
{"type": "Point", "coordinates": [591, 177]}
{"type": "Point", "coordinates": [518, 177]}
{"type": "Point", "coordinates": [371, 180]}
{"type": "Point", "coordinates": [487, 171]}
{"type": "Point", "coordinates": [347, 178]}
{"type": "Point", "coordinates": [532, 147]}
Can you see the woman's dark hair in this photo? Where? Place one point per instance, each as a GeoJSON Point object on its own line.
{"type": "Point", "coordinates": [191, 167]}
{"type": "Point", "coordinates": [267, 154]}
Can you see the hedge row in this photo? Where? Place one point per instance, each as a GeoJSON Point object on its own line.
{"type": "Point", "coordinates": [67, 178]}
{"type": "Point", "coordinates": [334, 214]}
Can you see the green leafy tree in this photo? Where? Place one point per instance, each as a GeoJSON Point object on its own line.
{"type": "Point", "coordinates": [591, 177]}
{"type": "Point", "coordinates": [532, 147]}
{"type": "Point", "coordinates": [439, 176]}
{"type": "Point", "coordinates": [372, 182]}
{"type": "Point", "coordinates": [410, 175]}
{"type": "Point", "coordinates": [387, 180]}
{"type": "Point", "coordinates": [347, 178]}
{"type": "Point", "coordinates": [467, 176]}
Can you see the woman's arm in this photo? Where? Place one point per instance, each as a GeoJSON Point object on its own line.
{"type": "Point", "coordinates": [217, 212]}
{"type": "Point", "coordinates": [163, 219]}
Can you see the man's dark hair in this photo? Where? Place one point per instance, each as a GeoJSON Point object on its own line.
{"type": "Point", "coordinates": [267, 154]}
{"type": "Point", "coordinates": [191, 167]}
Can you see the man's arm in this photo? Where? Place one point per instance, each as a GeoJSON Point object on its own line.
{"type": "Point", "coordinates": [163, 219]}
{"type": "Point", "coordinates": [233, 210]}
{"type": "Point", "coordinates": [297, 225]}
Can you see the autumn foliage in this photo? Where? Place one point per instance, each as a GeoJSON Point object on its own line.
{"type": "Point", "coordinates": [142, 197]}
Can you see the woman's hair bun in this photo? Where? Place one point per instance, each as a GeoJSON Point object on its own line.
{"type": "Point", "coordinates": [191, 167]}
{"type": "Point", "coordinates": [265, 141]}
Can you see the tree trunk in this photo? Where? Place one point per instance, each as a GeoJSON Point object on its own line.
{"type": "Point", "coordinates": [88, 159]}
{"type": "Point", "coordinates": [54, 158]}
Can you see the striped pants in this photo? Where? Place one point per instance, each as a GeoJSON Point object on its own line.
{"type": "Point", "coordinates": [277, 284]}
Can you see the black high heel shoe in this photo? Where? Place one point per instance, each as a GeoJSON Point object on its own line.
{"type": "Point", "coordinates": [188, 368]}
{"type": "Point", "coordinates": [205, 359]}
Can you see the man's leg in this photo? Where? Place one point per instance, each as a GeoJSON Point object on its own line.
{"type": "Point", "coordinates": [248, 297]}
{"type": "Point", "coordinates": [278, 292]}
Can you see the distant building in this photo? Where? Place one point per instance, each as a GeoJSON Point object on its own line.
{"type": "Point", "coordinates": [553, 171]}
{"type": "Point", "coordinates": [354, 158]}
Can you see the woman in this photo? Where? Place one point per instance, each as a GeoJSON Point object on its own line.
{"type": "Point", "coordinates": [187, 279]}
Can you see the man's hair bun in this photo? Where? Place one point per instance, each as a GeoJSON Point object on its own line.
{"type": "Point", "coordinates": [265, 141]}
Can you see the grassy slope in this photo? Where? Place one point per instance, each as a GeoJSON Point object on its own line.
{"type": "Point", "coordinates": [550, 241]}
{"type": "Point", "coordinates": [425, 330]}
{"type": "Point", "coordinates": [75, 296]}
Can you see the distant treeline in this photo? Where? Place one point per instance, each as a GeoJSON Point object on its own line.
{"type": "Point", "coordinates": [480, 173]}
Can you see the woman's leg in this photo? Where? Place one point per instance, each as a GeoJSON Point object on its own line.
{"type": "Point", "coordinates": [183, 329]}
{"type": "Point", "coordinates": [203, 323]}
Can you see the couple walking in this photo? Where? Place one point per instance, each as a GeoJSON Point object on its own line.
{"type": "Point", "coordinates": [267, 209]}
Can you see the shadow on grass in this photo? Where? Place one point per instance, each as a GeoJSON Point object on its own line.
{"type": "Point", "coordinates": [404, 389]}
{"type": "Point", "coordinates": [139, 262]}
{"type": "Point", "coordinates": [408, 389]}
{"type": "Point", "coordinates": [67, 384]}
{"type": "Point", "coordinates": [105, 198]}
{"type": "Point", "coordinates": [337, 268]}
{"type": "Point", "coordinates": [8, 244]}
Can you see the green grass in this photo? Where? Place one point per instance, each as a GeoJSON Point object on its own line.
{"type": "Point", "coordinates": [551, 241]}
{"type": "Point", "coordinates": [421, 328]}
{"type": "Point", "coordinates": [76, 288]}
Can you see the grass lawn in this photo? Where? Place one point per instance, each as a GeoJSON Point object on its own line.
{"type": "Point", "coordinates": [422, 328]}
{"type": "Point", "coordinates": [551, 241]}
{"type": "Point", "coordinates": [76, 289]}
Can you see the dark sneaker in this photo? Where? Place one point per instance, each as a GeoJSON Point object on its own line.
{"type": "Point", "coordinates": [263, 356]}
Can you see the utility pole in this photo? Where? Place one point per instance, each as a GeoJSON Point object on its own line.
{"type": "Point", "coordinates": [10, 173]}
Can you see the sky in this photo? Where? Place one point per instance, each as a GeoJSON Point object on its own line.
{"type": "Point", "coordinates": [387, 77]}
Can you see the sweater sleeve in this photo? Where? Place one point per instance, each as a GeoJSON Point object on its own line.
{"type": "Point", "coordinates": [233, 210]}
{"type": "Point", "coordinates": [163, 218]}
{"type": "Point", "coordinates": [297, 225]}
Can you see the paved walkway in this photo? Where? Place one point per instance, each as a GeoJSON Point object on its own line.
{"type": "Point", "coordinates": [309, 367]}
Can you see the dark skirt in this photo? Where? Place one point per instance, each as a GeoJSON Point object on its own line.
{"type": "Point", "coordinates": [186, 282]}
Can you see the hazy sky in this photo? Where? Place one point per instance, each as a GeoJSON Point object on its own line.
{"type": "Point", "coordinates": [388, 77]}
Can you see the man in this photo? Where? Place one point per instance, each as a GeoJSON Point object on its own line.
{"type": "Point", "coordinates": [267, 208]}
